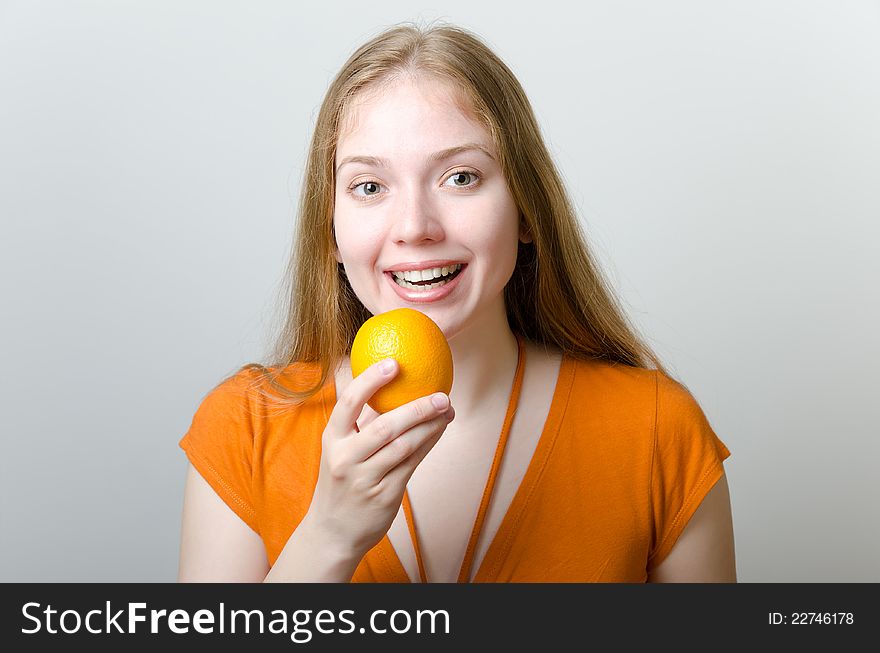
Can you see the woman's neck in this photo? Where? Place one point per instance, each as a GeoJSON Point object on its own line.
{"type": "Point", "coordinates": [484, 363]}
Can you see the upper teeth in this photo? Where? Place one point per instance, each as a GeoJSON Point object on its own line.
{"type": "Point", "coordinates": [426, 275]}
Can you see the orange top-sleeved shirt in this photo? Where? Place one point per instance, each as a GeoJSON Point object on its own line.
{"type": "Point", "coordinates": [624, 460]}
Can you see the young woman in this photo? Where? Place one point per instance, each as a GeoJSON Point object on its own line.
{"type": "Point", "coordinates": [563, 453]}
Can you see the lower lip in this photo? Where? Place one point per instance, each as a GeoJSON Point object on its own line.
{"type": "Point", "coordinates": [423, 296]}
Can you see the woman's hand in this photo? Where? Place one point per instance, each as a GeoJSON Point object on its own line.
{"type": "Point", "coordinates": [364, 472]}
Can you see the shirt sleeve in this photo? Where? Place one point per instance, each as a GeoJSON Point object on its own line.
{"type": "Point", "coordinates": [687, 462]}
{"type": "Point", "coordinates": [220, 445]}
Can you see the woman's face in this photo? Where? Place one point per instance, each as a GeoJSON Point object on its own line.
{"type": "Point", "coordinates": [418, 186]}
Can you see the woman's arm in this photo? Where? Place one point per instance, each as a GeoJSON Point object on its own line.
{"type": "Point", "coordinates": [216, 545]}
{"type": "Point", "coordinates": [704, 552]}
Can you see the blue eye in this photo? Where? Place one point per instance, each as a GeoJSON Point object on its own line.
{"type": "Point", "coordinates": [463, 178]}
{"type": "Point", "coordinates": [370, 188]}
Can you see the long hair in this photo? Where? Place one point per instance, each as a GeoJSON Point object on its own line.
{"type": "Point", "coordinates": [557, 294]}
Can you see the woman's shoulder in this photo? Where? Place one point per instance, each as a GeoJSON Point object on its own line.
{"type": "Point", "coordinates": [629, 387]}
{"type": "Point", "coordinates": [270, 390]}
{"type": "Point", "coordinates": [298, 376]}
{"type": "Point", "coordinates": [612, 377]}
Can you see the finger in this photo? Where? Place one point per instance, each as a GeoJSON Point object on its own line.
{"type": "Point", "coordinates": [410, 443]}
{"type": "Point", "coordinates": [387, 427]}
{"type": "Point", "coordinates": [366, 417]}
{"type": "Point", "coordinates": [350, 403]}
{"type": "Point", "coordinates": [397, 477]}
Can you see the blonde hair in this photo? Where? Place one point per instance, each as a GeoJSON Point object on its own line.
{"type": "Point", "coordinates": [556, 295]}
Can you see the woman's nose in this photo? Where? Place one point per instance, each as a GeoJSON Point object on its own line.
{"type": "Point", "coordinates": [416, 218]}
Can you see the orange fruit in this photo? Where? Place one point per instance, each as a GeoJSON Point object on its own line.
{"type": "Point", "coordinates": [418, 345]}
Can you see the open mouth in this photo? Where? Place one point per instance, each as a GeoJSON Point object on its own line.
{"type": "Point", "coordinates": [428, 284]}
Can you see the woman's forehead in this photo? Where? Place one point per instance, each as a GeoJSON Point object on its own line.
{"type": "Point", "coordinates": [401, 96]}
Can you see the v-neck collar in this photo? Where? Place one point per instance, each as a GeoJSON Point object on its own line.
{"type": "Point", "coordinates": [503, 538]}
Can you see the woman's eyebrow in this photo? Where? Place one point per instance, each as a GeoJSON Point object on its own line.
{"type": "Point", "coordinates": [436, 156]}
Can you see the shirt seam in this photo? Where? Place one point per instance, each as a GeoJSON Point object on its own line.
{"type": "Point", "coordinates": [686, 507]}
{"type": "Point", "coordinates": [654, 456]}
{"type": "Point", "coordinates": [226, 486]}
{"type": "Point", "coordinates": [256, 514]}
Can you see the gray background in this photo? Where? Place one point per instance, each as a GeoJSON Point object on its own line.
{"type": "Point", "coordinates": [724, 156]}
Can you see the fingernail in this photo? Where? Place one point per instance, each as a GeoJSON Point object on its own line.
{"type": "Point", "coordinates": [441, 401]}
{"type": "Point", "coordinates": [387, 366]}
